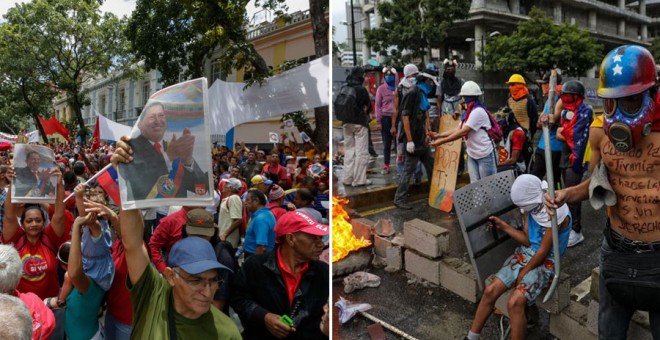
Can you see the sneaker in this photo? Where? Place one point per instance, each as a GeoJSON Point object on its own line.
{"type": "Point", "coordinates": [385, 171]}
{"type": "Point", "coordinates": [368, 182]}
{"type": "Point", "coordinates": [575, 238]}
{"type": "Point", "coordinates": [403, 206]}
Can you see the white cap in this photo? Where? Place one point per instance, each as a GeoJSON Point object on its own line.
{"type": "Point", "coordinates": [410, 70]}
{"type": "Point", "coordinates": [470, 89]}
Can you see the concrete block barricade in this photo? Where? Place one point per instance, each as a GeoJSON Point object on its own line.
{"type": "Point", "coordinates": [422, 266]}
{"type": "Point", "coordinates": [560, 299]}
{"type": "Point", "coordinates": [459, 278]}
{"type": "Point", "coordinates": [425, 238]}
{"type": "Point", "coordinates": [381, 244]}
{"type": "Point", "coordinates": [571, 323]}
{"type": "Point", "coordinates": [363, 228]}
{"type": "Point", "coordinates": [394, 258]}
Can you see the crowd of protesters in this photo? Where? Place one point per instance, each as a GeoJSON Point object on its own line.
{"type": "Point", "coordinates": [85, 269]}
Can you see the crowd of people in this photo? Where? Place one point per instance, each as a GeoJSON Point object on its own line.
{"type": "Point", "coordinates": [609, 158]}
{"type": "Point", "coordinates": [86, 269]}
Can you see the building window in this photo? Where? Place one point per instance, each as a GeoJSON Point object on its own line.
{"type": "Point", "coordinates": [101, 106]}
{"type": "Point", "coordinates": [122, 99]}
{"type": "Point", "coordinates": [146, 92]}
{"type": "Point", "coordinates": [216, 71]}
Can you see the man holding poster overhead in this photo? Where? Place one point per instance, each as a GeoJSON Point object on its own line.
{"type": "Point", "coordinates": [161, 168]}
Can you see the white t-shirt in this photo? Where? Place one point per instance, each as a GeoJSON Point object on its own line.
{"type": "Point", "coordinates": [231, 208]}
{"type": "Point", "coordinates": [478, 143]}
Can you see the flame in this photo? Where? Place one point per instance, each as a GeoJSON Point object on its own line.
{"type": "Point", "coordinates": [343, 239]}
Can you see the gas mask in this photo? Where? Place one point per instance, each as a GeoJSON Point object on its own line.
{"type": "Point", "coordinates": [628, 120]}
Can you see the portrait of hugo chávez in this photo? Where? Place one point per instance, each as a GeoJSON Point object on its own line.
{"type": "Point", "coordinates": [162, 168]}
{"type": "Point", "coordinates": [33, 173]}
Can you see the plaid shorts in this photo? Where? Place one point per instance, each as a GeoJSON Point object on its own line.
{"type": "Point", "coordinates": [534, 281]}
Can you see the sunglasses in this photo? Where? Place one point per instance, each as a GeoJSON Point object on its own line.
{"type": "Point", "coordinates": [630, 106]}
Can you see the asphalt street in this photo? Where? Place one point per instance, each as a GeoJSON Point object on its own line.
{"type": "Point", "coordinates": [430, 312]}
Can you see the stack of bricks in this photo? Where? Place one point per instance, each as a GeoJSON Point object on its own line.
{"type": "Point", "coordinates": [425, 257]}
{"type": "Point", "coordinates": [387, 246]}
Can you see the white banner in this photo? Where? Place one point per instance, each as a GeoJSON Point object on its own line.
{"type": "Point", "coordinates": [33, 137]}
{"type": "Point", "coordinates": [302, 88]}
{"type": "Point", "coordinates": [110, 130]}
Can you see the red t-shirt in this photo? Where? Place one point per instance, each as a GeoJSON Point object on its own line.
{"type": "Point", "coordinates": [165, 236]}
{"type": "Point", "coordinates": [276, 210]}
{"type": "Point", "coordinates": [43, 319]}
{"type": "Point", "coordinates": [290, 280]}
{"type": "Point", "coordinates": [39, 274]}
{"type": "Point", "coordinates": [119, 300]}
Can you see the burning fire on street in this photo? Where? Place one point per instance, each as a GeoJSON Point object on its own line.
{"type": "Point", "coordinates": [343, 239]}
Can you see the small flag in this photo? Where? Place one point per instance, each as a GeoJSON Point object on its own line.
{"type": "Point", "coordinates": [96, 139]}
{"type": "Point", "coordinates": [109, 182]}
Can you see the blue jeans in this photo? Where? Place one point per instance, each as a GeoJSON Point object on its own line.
{"type": "Point", "coordinates": [400, 159]}
{"type": "Point", "coordinates": [115, 329]}
{"type": "Point", "coordinates": [614, 318]}
{"type": "Point", "coordinates": [481, 168]}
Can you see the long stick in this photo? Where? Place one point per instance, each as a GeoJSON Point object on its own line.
{"type": "Point", "coordinates": [91, 179]}
{"type": "Point", "coordinates": [388, 326]}
{"type": "Point", "coordinates": [551, 186]}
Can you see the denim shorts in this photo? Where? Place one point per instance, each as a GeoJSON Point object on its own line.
{"type": "Point", "coordinates": [534, 281]}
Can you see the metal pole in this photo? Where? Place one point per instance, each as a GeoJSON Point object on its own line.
{"type": "Point", "coordinates": [353, 34]}
{"type": "Point", "coordinates": [551, 181]}
{"type": "Point", "coordinates": [483, 69]}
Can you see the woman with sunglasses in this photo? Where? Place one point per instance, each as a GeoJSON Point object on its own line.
{"type": "Point", "coordinates": [574, 131]}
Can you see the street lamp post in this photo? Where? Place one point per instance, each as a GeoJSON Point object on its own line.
{"type": "Point", "coordinates": [353, 34]}
{"type": "Point", "coordinates": [483, 61]}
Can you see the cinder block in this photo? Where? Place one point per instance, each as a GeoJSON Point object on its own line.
{"type": "Point", "coordinates": [363, 228]}
{"type": "Point", "coordinates": [422, 266]}
{"type": "Point", "coordinates": [595, 273]}
{"type": "Point", "coordinates": [458, 277]}
{"type": "Point", "coordinates": [380, 245]}
{"type": "Point", "coordinates": [394, 259]}
{"type": "Point", "coordinates": [592, 317]}
{"type": "Point", "coordinates": [571, 323]}
{"type": "Point", "coordinates": [379, 262]}
{"type": "Point", "coordinates": [427, 239]}
{"type": "Point", "coordinates": [560, 299]}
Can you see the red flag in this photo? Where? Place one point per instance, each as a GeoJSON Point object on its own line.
{"type": "Point", "coordinates": [96, 138]}
{"type": "Point", "coordinates": [108, 180]}
{"type": "Point", "coordinates": [52, 126]}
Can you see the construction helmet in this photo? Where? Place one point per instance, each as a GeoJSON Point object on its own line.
{"type": "Point", "coordinates": [410, 70]}
{"type": "Point", "coordinates": [516, 78]}
{"type": "Point", "coordinates": [470, 89]}
{"type": "Point", "coordinates": [625, 71]}
{"type": "Point", "coordinates": [573, 87]}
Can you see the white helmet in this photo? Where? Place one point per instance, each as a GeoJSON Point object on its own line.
{"type": "Point", "coordinates": [470, 89]}
{"type": "Point", "coordinates": [410, 70]}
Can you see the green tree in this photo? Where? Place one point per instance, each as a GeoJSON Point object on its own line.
{"type": "Point", "coordinates": [655, 49]}
{"type": "Point", "coordinates": [177, 37]}
{"type": "Point", "coordinates": [415, 26]}
{"type": "Point", "coordinates": [71, 42]}
{"type": "Point", "coordinates": [539, 45]}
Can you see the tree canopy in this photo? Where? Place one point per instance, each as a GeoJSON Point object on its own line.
{"type": "Point", "coordinates": [69, 43]}
{"type": "Point", "coordinates": [539, 45]}
{"type": "Point", "coordinates": [415, 26]}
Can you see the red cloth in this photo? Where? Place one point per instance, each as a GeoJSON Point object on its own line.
{"type": "Point", "coordinates": [517, 139]}
{"type": "Point", "coordinates": [280, 171]}
{"type": "Point", "coordinates": [119, 300]}
{"type": "Point", "coordinates": [276, 210]}
{"type": "Point", "coordinates": [96, 139]}
{"type": "Point", "coordinates": [291, 281]}
{"type": "Point", "coordinates": [166, 234]}
{"type": "Point", "coordinates": [43, 319]}
{"type": "Point", "coordinates": [52, 126]}
{"type": "Point", "coordinates": [39, 273]}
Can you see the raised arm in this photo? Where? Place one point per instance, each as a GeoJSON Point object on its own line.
{"type": "Point", "coordinates": [131, 223]}
{"type": "Point", "coordinates": [75, 270]}
{"type": "Point", "coordinates": [57, 221]}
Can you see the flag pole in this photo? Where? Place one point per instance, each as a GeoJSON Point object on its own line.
{"type": "Point", "coordinates": [90, 179]}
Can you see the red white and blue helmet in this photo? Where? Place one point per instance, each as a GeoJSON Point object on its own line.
{"type": "Point", "coordinates": [625, 71]}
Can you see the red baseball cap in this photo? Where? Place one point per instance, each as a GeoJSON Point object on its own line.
{"type": "Point", "coordinates": [295, 221]}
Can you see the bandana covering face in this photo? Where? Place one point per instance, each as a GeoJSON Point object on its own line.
{"type": "Point", "coordinates": [518, 91]}
{"type": "Point", "coordinates": [571, 102]}
{"type": "Point", "coordinates": [389, 79]}
{"type": "Point", "coordinates": [527, 193]}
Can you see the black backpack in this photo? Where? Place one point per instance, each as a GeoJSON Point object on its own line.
{"type": "Point", "coordinates": [345, 106]}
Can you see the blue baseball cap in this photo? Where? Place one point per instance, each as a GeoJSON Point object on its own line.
{"type": "Point", "coordinates": [194, 255]}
